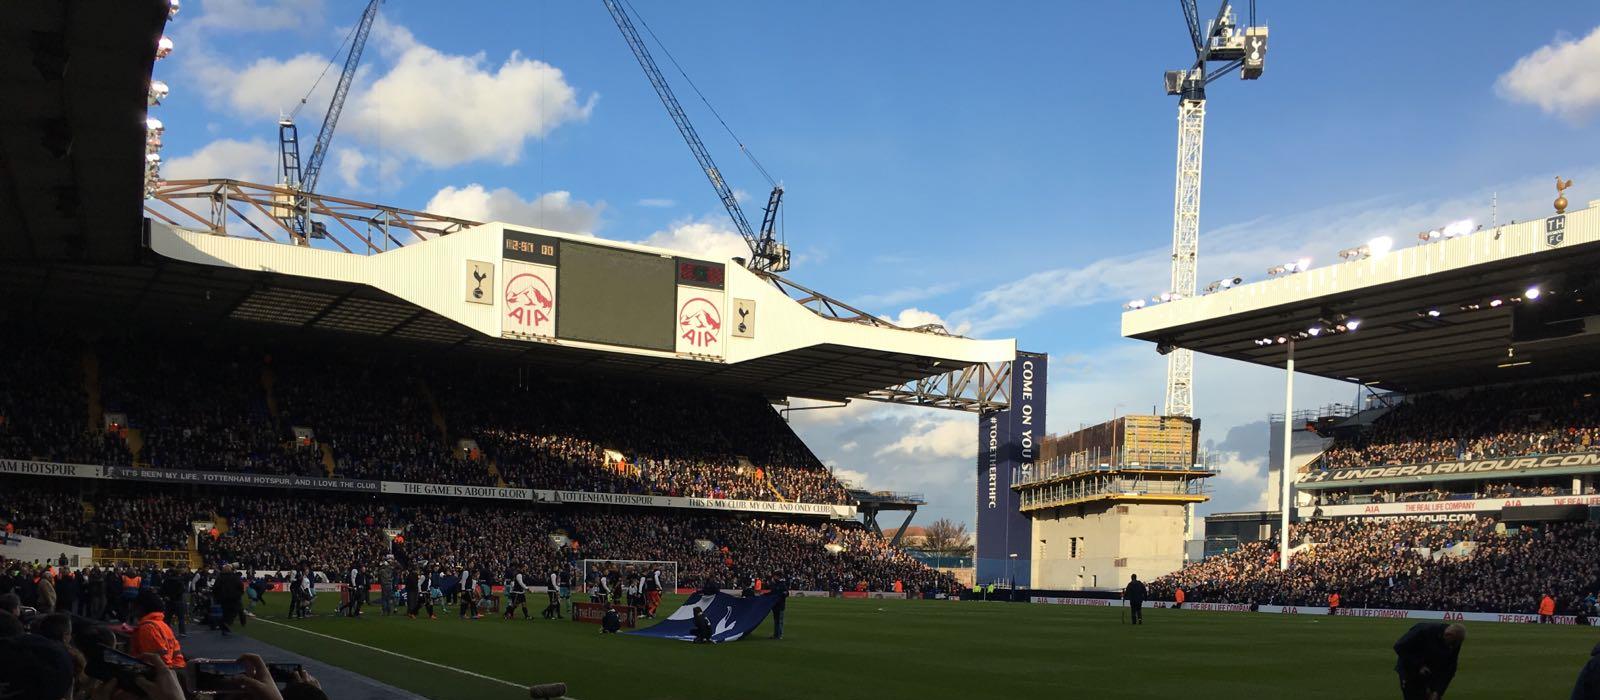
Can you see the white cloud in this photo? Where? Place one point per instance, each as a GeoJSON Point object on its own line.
{"type": "Point", "coordinates": [256, 15]}
{"type": "Point", "coordinates": [446, 109]}
{"type": "Point", "coordinates": [1562, 78]}
{"type": "Point", "coordinates": [409, 99]}
{"type": "Point", "coordinates": [349, 162]}
{"type": "Point", "coordinates": [252, 161]}
{"type": "Point", "coordinates": [899, 448]}
{"type": "Point", "coordinates": [702, 238]}
{"type": "Point", "coordinates": [941, 438]}
{"type": "Point", "coordinates": [268, 88]}
{"type": "Point", "coordinates": [914, 317]}
{"type": "Point", "coordinates": [656, 202]}
{"type": "Point", "coordinates": [556, 211]}
{"type": "Point", "coordinates": [855, 479]}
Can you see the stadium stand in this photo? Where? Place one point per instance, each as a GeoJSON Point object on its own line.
{"type": "Point", "coordinates": [1473, 565]}
{"type": "Point", "coordinates": [271, 530]}
{"type": "Point", "coordinates": [236, 409]}
{"type": "Point", "coordinates": [1498, 421]}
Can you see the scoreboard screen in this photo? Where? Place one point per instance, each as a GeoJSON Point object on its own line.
{"type": "Point", "coordinates": [615, 296]}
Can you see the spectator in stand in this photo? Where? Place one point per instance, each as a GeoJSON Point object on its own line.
{"type": "Point", "coordinates": [1392, 564]}
{"type": "Point", "coordinates": [1500, 421]}
{"type": "Point", "coordinates": [238, 410]}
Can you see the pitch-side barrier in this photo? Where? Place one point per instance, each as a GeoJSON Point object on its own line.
{"type": "Point", "coordinates": [1447, 615]}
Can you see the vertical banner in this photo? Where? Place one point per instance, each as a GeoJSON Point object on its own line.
{"type": "Point", "coordinates": [1008, 448]}
{"type": "Point", "coordinates": [702, 308]}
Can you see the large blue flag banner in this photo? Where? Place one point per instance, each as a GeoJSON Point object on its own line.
{"type": "Point", "coordinates": [731, 618]}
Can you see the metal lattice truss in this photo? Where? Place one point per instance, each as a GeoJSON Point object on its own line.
{"type": "Point", "coordinates": [835, 310]}
{"type": "Point", "coordinates": [265, 212]}
{"type": "Point", "coordinates": [1185, 245]}
{"type": "Point", "coordinates": [977, 388]}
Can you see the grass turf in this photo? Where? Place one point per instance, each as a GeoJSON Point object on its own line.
{"type": "Point", "coordinates": [883, 650]}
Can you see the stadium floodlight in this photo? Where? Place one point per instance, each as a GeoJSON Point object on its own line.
{"type": "Point", "coordinates": [173, 6]}
{"type": "Point", "coordinates": [1276, 270]}
{"type": "Point", "coordinates": [152, 157]}
{"type": "Point", "coordinates": [1433, 313]}
{"type": "Point", "coordinates": [1352, 324]}
{"type": "Point", "coordinates": [1135, 304]}
{"type": "Point", "coordinates": [1532, 293]}
{"type": "Point", "coordinates": [153, 124]}
{"type": "Point", "coordinates": [1495, 302]}
{"type": "Point", "coordinates": [1314, 331]}
{"type": "Point", "coordinates": [1282, 340]}
{"type": "Point", "coordinates": [163, 47]}
{"type": "Point", "coordinates": [158, 92]}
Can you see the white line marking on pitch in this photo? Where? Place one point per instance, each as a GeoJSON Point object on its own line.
{"type": "Point", "coordinates": [518, 686]}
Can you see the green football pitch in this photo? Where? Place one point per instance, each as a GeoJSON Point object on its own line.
{"type": "Point", "coordinates": [881, 650]}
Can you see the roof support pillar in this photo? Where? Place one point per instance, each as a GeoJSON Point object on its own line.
{"type": "Point", "coordinates": [1285, 501]}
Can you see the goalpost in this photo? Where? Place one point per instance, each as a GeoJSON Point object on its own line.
{"type": "Point", "coordinates": [638, 568]}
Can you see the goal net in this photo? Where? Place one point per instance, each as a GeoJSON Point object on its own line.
{"type": "Point", "coordinates": [628, 570]}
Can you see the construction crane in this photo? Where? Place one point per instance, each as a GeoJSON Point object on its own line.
{"type": "Point", "coordinates": [304, 178]}
{"type": "Point", "coordinates": [766, 253]}
{"type": "Point", "coordinates": [1220, 41]}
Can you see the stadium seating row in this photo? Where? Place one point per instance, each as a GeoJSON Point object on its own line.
{"type": "Point", "coordinates": [274, 530]}
{"type": "Point", "coordinates": [1470, 565]}
{"type": "Point", "coordinates": [237, 409]}
{"type": "Point", "coordinates": [1497, 421]}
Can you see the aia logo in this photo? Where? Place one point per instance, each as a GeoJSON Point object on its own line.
{"type": "Point", "coordinates": [530, 303]}
{"type": "Point", "coordinates": [699, 322]}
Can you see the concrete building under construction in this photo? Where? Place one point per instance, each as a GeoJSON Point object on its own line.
{"type": "Point", "coordinates": [1113, 499]}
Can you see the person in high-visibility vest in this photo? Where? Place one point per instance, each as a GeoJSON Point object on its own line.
{"type": "Point", "coordinates": [1333, 603]}
{"type": "Point", "coordinates": [1177, 598]}
{"type": "Point", "coordinates": [1547, 609]}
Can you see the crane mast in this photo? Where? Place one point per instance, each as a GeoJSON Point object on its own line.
{"type": "Point", "coordinates": [766, 253]}
{"type": "Point", "coordinates": [1220, 41]}
{"type": "Point", "coordinates": [303, 177]}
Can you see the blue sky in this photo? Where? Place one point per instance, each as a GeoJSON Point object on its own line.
{"type": "Point", "coordinates": [1003, 167]}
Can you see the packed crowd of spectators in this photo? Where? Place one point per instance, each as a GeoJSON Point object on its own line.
{"type": "Point", "coordinates": [554, 433]}
{"type": "Point", "coordinates": [1497, 421]}
{"type": "Point", "coordinates": [237, 409]}
{"type": "Point", "coordinates": [273, 530]}
{"type": "Point", "coordinates": [128, 517]}
{"type": "Point", "coordinates": [43, 411]}
{"type": "Point", "coordinates": [1470, 565]}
